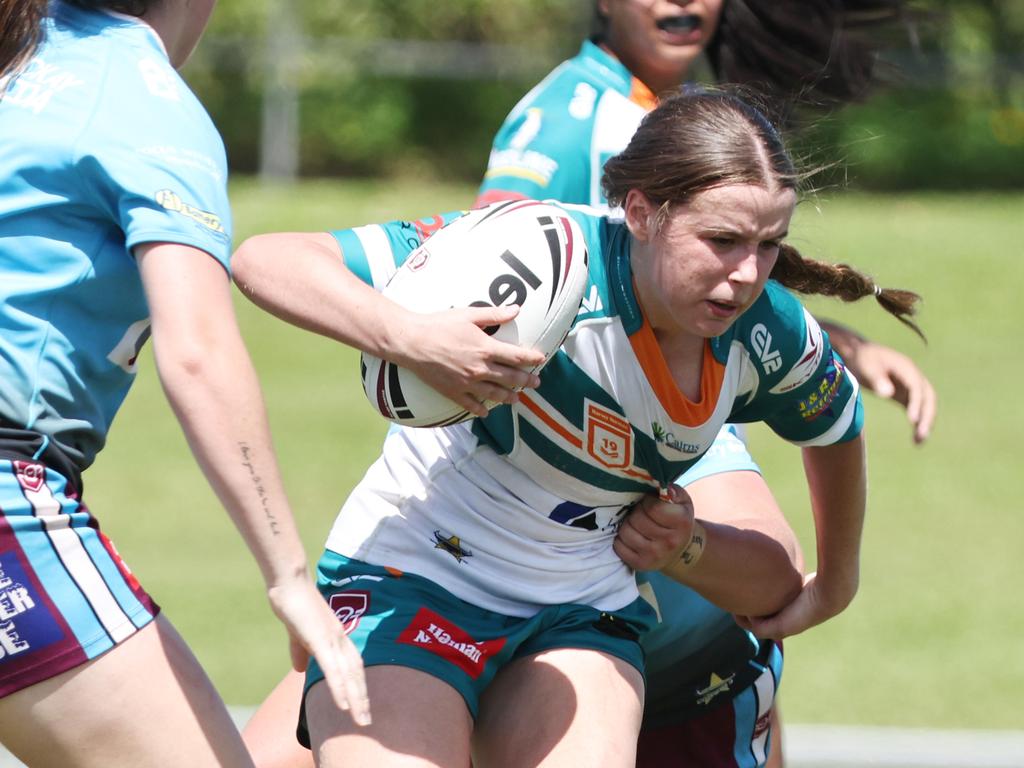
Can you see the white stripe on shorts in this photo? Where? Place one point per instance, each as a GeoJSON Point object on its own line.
{"type": "Point", "coordinates": [79, 565]}
{"type": "Point", "coordinates": [765, 688]}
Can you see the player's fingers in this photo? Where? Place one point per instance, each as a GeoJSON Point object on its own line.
{"type": "Point", "coordinates": [488, 316]}
{"type": "Point", "coordinates": [515, 356]}
{"type": "Point", "coordinates": [346, 681]}
{"type": "Point", "coordinates": [877, 381]}
{"type": "Point", "coordinates": [470, 403]}
{"type": "Point", "coordinates": [926, 417]}
{"type": "Point", "coordinates": [510, 379]}
{"type": "Point", "coordinates": [743, 622]}
{"type": "Point", "coordinates": [627, 554]}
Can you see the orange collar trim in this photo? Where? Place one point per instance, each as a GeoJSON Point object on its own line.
{"type": "Point", "coordinates": [680, 408]}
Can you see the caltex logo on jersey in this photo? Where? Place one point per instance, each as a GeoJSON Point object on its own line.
{"type": "Point", "coordinates": [349, 607]}
{"type": "Point", "coordinates": [609, 437]}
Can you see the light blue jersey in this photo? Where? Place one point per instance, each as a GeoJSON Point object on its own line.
{"type": "Point", "coordinates": [556, 140]}
{"type": "Point", "coordinates": [102, 147]}
{"type": "Point", "coordinates": [518, 510]}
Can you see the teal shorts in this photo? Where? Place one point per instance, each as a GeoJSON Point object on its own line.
{"type": "Point", "coordinates": [405, 620]}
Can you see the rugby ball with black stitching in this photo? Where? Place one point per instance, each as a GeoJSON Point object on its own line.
{"type": "Point", "coordinates": [521, 252]}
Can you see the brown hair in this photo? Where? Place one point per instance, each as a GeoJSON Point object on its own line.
{"type": "Point", "coordinates": [21, 26]}
{"type": "Point", "coordinates": [128, 7]}
{"type": "Point", "coordinates": [815, 53]}
{"type": "Point", "coordinates": [21, 32]}
{"type": "Point", "coordinates": [703, 139]}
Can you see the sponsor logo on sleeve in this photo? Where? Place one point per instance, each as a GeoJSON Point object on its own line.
{"type": "Point", "coordinates": [810, 358]}
{"type": "Point", "coordinates": [819, 401]}
{"type": "Point", "coordinates": [434, 633]}
{"type": "Point", "coordinates": [172, 202]}
{"type": "Point", "coordinates": [761, 340]}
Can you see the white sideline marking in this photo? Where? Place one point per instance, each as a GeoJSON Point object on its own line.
{"type": "Point", "coordinates": [839, 745]}
{"type": "Point", "coordinates": [843, 746]}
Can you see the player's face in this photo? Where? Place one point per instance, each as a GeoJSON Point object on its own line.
{"type": "Point", "coordinates": [659, 39]}
{"type": "Point", "coordinates": [709, 259]}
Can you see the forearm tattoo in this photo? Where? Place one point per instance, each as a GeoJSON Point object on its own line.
{"type": "Point", "coordinates": [261, 492]}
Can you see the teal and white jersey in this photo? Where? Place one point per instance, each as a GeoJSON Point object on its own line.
{"type": "Point", "coordinates": [102, 147]}
{"type": "Point", "coordinates": [519, 509]}
{"type": "Point", "coordinates": [556, 140]}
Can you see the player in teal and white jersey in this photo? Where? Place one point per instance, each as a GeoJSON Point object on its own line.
{"type": "Point", "coordinates": [477, 566]}
{"type": "Point", "coordinates": [711, 684]}
{"type": "Point", "coordinates": [114, 226]}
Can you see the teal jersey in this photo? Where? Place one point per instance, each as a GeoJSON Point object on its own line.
{"type": "Point", "coordinates": [556, 140]}
{"type": "Point", "coordinates": [102, 147]}
{"type": "Point", "coordinates": [606, 426]}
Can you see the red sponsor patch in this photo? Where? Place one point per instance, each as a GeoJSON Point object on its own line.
{"type": "Point", "coordinates": [349, 608]}
{"type": "Point", "coordinates": [438, 635]}
{"type": "Point", "coordinates": [31, 475]}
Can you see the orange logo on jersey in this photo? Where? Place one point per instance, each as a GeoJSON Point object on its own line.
{"type": "Point", "coordinates": [609, 437]}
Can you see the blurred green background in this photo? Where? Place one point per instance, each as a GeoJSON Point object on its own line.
{"type": "Point", "coordinates": [337, 114]}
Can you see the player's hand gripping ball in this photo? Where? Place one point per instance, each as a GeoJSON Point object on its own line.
{"type": "Point", "coordinates": [521, 252]}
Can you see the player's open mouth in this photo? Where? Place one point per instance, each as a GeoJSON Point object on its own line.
{"type": "Point", "coordinates": [679, 24]}
{"type": "Point", "coordinates": [723, 308]}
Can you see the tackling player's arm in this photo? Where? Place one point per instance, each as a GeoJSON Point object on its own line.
{"type": "Point", "coordinates": [212, 388]}
{"type": "Point", "coordinates": [889, 374]}
{"type": "Point", "coordinates": [742, 557]}
{"type": "Point", "coordinates": [837, 480]}
{"type": "Point", "coordinates": [302, 278]}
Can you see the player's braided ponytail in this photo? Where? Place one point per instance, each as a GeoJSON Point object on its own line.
{"type": "Point", "coordinates": [843, 282]}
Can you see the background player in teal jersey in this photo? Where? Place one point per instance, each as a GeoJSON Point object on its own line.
{"type": "Point", "coordinates": [114, 226]}
{"type": "Point", "coordinates": [462, 641]}
{"type": "Point", "coordinates": [711, 684]}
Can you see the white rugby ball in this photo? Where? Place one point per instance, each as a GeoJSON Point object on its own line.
{"type": "Point", "coordinates": [516, 252]}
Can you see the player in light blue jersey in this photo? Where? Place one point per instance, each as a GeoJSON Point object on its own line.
{"type": "Point", "coordinates": [711, 684]}
{"type": "Point", "coordinates": [114, 226]}
{"type": "Point", "coordinates": [478, 566]}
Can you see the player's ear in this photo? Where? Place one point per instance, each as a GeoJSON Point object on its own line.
{"type": "Point", "coordinates": [640, 215]}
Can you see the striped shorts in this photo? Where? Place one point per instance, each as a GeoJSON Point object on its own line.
{"type": "Point", "coordinates": [65, 594]}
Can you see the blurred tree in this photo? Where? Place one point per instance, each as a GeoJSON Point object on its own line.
{"type": "Point", "coordinates": [381, 87]}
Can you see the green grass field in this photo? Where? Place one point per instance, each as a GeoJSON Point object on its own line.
{"type": "Point", "coordinates": [932, 639]}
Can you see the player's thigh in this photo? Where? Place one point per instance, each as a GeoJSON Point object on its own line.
{"type": "Point", "coordinates": [270, 732]}
{"type": "Point", "coordinates": [418, 721]}
{"type": "Point", "coordinates": [146, 702]}
{"type": "Point", "coordinates": [563, 707]}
